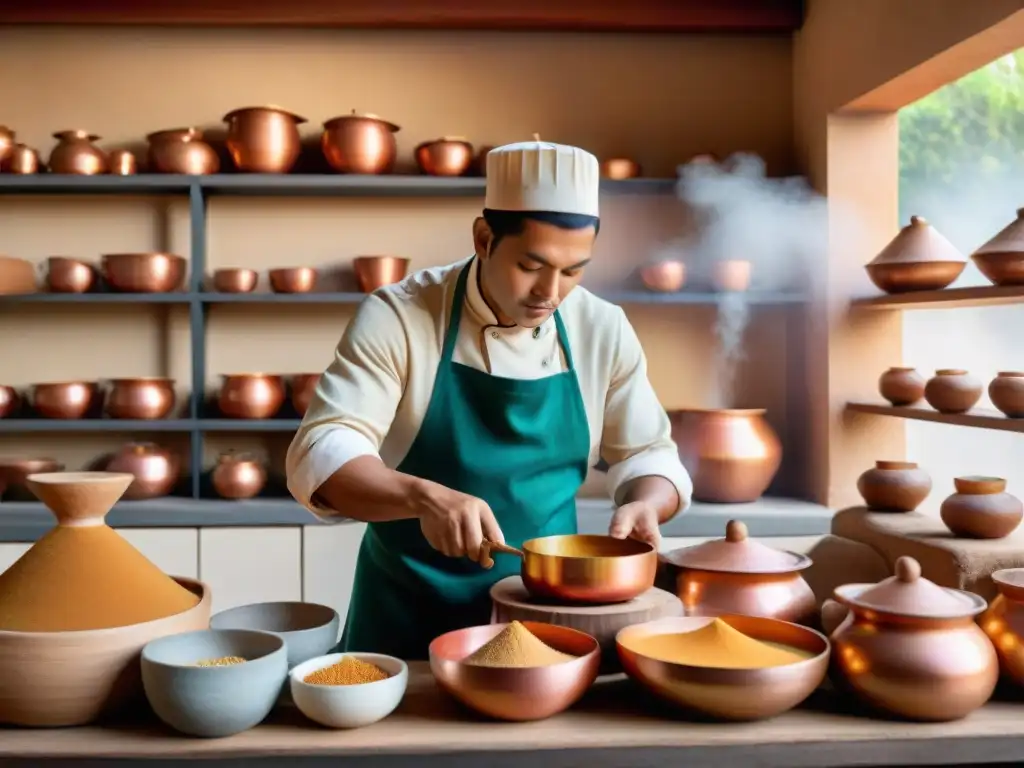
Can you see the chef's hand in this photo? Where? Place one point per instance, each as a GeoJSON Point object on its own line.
{"type": "Point", "coordinates": [636, 520]}
{"type": "Point", "coordinates": [455, 523]}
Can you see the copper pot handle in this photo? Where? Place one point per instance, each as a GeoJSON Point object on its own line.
{"type": "Point", "coordinates": [486, 562]}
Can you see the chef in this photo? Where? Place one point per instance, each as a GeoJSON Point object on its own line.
{"type": "Point", "coordinates": [466, 404]}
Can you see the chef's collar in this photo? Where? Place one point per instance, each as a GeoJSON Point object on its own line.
{"type": "Point", "coordinates": [479, 307]}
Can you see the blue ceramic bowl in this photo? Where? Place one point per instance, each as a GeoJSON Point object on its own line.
{"type": "Point", "coordinates": [308, 629]}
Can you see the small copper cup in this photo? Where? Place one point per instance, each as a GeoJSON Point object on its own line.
{"type": "Point", "coordinates": [122, 163]}
{"type": "Point", "coordinates": [67, 275]}
{"type": "Point", "coordinates": [235, 280]}
{"type": "Point", "coordinates": [292, 279]}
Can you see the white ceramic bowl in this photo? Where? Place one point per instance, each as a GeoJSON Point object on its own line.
{"type": "Point", "coordinates": [349, 706]}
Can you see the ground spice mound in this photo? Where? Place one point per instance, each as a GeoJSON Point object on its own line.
{"type": "Point", "coordinates": [88, 577]}
{"type": "Point", "coordinates": [223, 661]}
{"type": "Point", "coordinates": [717, 645]}
{"type": "Point", "coordinates": [516, 646]}
{"type": "Point", "coordinates": [348, 671]}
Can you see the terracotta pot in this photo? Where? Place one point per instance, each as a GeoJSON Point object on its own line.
{"type": "Point", "coordinates": [122, 163]}
{"type": "Point", "coordinates": [64, 399]}
{"type": "Point", "coordinates": [181, 150]}
{"type": "Point", "coordinates": [144, 272]}
{"type": "Point", "coordinates": [238, 476]}
{"type": "Point", "coordinates": [75, 153]}
{"type": "Point", "coordinates": [1006, 391]}
{"type": "Point", "coordinates": [264, 139]}
{"type": "Point", "coordinates": [9, 401]}
{"type": "Point", "coordinates": [952, 390]}
{"type": "Point", "coordinates": [1001, 259]}
{"type": "Point", "coordinates": [251, 395]}
{"type": "Point", "coordinates": [157, 470]}
{"type": "Point", "coordinates": [666, 276]}
{"type": "Point", "coordinates": [23, 161]}
{"type": "Point", "coordinates": [919, 258]}
{"type": "Point", "coordinates": [373, 272]}
{"type": "Point", "coordinates": [292, 279]}
{"type": "Point", "coordinates": [141, 398]}
{"type": "Point", "coordinates": [981, 509]}
{"type": "Point", "coordinates": [360, 144]}
{"type": "Point", "coordinates": [444, 157]}
{"type": "Point", "coordinates": [619, 168]}
{"type": "Point", "coordinates": [901, 386]}
{"type": "Point", "coordinates": [303, 386]}
{"type": "Point", "coordinates": [1003, 622]}
{"type": "Point", "coordinates": [912, 649]}
{"type": "Point", "coordinates": [64, 275]}
{"type": "Point", "coordinates": [894, 486]}
{"type": "Point", "coordinates": [732, 455]}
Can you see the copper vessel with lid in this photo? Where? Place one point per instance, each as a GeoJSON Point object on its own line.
{"type": "Point", "coordinates": [76, 153]}
{"type": "Point", "coordinates": [742, 576]}
{"type": "Point", "coordinates": [1001, 259]}
{"type": "Point", "coordinates": [911, 648]}
{"type": "Point", "coordinates": [1003, 622]}
{"type": "Point", "coordinates": [156, 469]}
{"type": "Point", "coordinates": [919, 258]}
{"type": "Point", "coordinates": [251, 395]}
{"type": "Point", "coordinates": [356, 143]}
{"type": "Point", "coordinates": [264, 139]}
{"type": "Point", "coordinates": [238, 476]}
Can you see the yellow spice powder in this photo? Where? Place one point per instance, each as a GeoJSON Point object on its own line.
{"type": "Point", "coordinates": [348, 671]}
{"type": "Point", "coordinates": [223, 661]}
{"type": "Point", "coordinates": [516, 646]}
{"type": "Point", "coordinates": [717, 645]}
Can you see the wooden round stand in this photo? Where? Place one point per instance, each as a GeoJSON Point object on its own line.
{"type": "Point", "coordinates": [513, 603]}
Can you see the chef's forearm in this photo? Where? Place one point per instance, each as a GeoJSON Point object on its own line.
{"type": "Point", "coordinates": [656, 491]}
{"type": "Point", "coordinates": [365, 489]}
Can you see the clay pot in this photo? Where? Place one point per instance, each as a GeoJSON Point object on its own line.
{"type": "Point", "coordinates": [264, 139]}
{"type": "Point", "coordinates": [373, 272]}
{"type": "Point", "coordinates": [981, 509]}
{"type": "Point", "coordinates": [919, 258]}
{"type": "Point", "coordinates": [360, 144]}
{"type": "Point", "coordinates": [238, 476]}
{"type": "Point", "coordinates": [75, 153]}
{"type": "Point", "coordinates": [444, 157]}
{"type": "Point", "coordinates": [141, 398]}
{"type": "Point", "coordinates": [121, 162]}
{"type": "Point", "coordinates": [156, 470]}
{"type": "Point", "coordinates": [911, 648]}
{"type": "Point", "coordinates": [619, 168]}
{"type": "Point", "coordinates": [251, 395]}
{"type": "Point", "coordinates": [666, 276]}
{"type": "Point", "coordinates": [181, 150]}
{"type": "Point", "coordinates": [1006, 391]}
{"type": "Point", "coordinates": [894, 486]}
{"type": "Point", "coordinates": [9, 401]}
{"type": "Point", "coordinates": [303, 386]}
{"type": "Point", "coordinates": [732, 455]}
{"type": "Point", "coordinates": [1001, 259]}
{"type": "Point", "coordinates": [1003, 622]}
{"type": "Point", "coordinates": [952, 390]}
{"type": "Point", "coordinates": [64, 399]}
{"type": "Point", "coordinates": [901, 386]}
{"type": "Point", "coordinates": [64, 275]}
{"type": "Point", "coordinates": [23, 161]}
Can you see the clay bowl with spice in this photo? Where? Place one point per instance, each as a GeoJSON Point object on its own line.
{"type": "Point", "coordinates": [214, 682]}
{"type": "Point", "coordinates": [729, 668]}
{"type": "Point", "coordinates": [348, 690]}
{"type": "Point", "coordinates": [519, 671]}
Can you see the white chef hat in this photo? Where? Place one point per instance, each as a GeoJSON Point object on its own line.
{"type": "Point", "coordinates": [541, 176]}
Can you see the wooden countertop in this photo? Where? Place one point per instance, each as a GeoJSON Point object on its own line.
{"type": "Point", "coordinates": [614, 725]}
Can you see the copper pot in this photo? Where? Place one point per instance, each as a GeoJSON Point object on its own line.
{"type": "Point", "coordinates": [901, 386]}
{"type": "Point", "coordinates": [373, 272]}
{"type": "Point", "coordinates": [156, 470]}
{"type": "Point", "coordinates": [732, 455]}
{"type": "Point", "coordinates": [1006, 391]}
{"type": "Point", "coordinates": [181, 150]}
{"type": "Point", "coordinates": [235, 280]}
{"type": "Point", "coordinates": [64, 399]}
{"type": "Point", "coordinates": [13, 474]}
{"type": "Point", "coordinates": [251, 395]}
{"type": "Point", "coordinates": [7, 142]}
{"type": "Point", "coordinates": [23, 161]}
{"type": "Point", "coordinates": [292, 279]}
{"type": "Point", "coordinates": [141, 398]}
{"type": "Point", "coordinates": [66, 275]}
{"type": "Point", "coordinates": [981, 509]}
{"type": "Point", "coordinates": [9, 401]}
{"type": "Point", "coordinates": [666, 276]}
{"type": "Point", "coordinates": [952, 390]}
{"type": "Point", "coordinates": [481, 160]}
{"type": "Point", "coordinates": [619, 168]}
{"type": "Point", "coordinates": [894, 486]}
{"type": "Point", "coordinates": [1003, 622]}
{"type": "Point", "coordinates": [264, 139]}
{"type": "Point", "coordinates": [238, 476]}
{"type": "Point", "coordinates": [75, 153]}
{"type": "Point", "coordinates": [122, 162]}
{"type": "Point", "coordinates": [444, 157]}
{"type": "Point", "coordinates": [360, 144]}
{"type": "Point", "coordinates": [303, 387]}
{"type": "Point", "coordinates": [911, 648]}
{"type": "Point", "coordinates": [144, 272]}
{"type": "Point", "coordinates": [1001, 259]}
{"type": "Point", "coordinates": [737, 575]}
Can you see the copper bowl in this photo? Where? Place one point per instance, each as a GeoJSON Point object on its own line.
{"type": "Point", "coordinates": [23, 161]}
{"type": "Point", "coordinates": [64, 399]}
{"type": "Point", "coordinates": [156, 469]}
{"type": "Point", "coordinates": [619, 168]}
{"type": "Point", "coordinates": [67, 275]}
{"type": "Point", "coordinates": [373, 272]}
{"type": "Point", "coordinates": [264, 139]}
{"type": "Point", "coordinates": [292, 279]}
{"type": "Point", "coordinates": [444, 157]}
{"type": "Point", "coordinates": [14, 474]}
{"type": "Point", "coordinates": [9, 401]}
{"type": "Point", "coordinates": [141, 398]}
{"type": "Point", "coordinates": [251, 395]}
{"type": "Point", "coordinates": [1001, 268]}
{"type": "Point", "coordinates": [357, 143]}
{"type": "Point", "coordinates": [664, 276]}
{"type": "Point", "coordinates": [515, 693]}
{"type": "Point", "coordinates": [181, 150]}
{"type": "Point", "coordinates": [238, 476]}
{"type": "Point", "coordinates": [906, 277]}
{"type": "Point", "coordinates": [729, 694]}
{"type": "Point", "coordinates": [235, 280]}
{"type": "Point", "coordinates": [144, 272]}
{"type": "Point", "coordinates": [303, 386]}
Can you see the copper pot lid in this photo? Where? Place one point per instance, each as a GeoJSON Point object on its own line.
{"type": "Point", "coordinates": [918, 242]}
{"type": "Point", "coordinates": [265, 108]}
{"type": "Point", "coordinates": [354, 115]}
{"type": "Point", "coordinates": [909, 594]}
{"type": "Point", "coordinates": [737, 553]}
{"type": "Point", "coordinates": [1010, 239]}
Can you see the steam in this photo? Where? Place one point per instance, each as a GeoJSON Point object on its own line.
{"type": "Point", "coordinates": [778, 226]}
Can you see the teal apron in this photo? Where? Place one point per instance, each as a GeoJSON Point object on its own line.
{"type": "Point", "coordinates": [520, 445]}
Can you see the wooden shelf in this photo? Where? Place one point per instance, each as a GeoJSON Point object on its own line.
{"type": "Point", "coordinates": [950, 298]}
{"type": "Point", "coordinates": [57, 426]}
{"type": "Point", "coordinates": [980, 418]}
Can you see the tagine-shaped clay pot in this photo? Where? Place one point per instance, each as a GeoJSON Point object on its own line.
{"type": "Point", "coordinates": [953, 390]}
{"type": "Point", "coordinates": [1003, 622]}
{"type": "Point", "coordinates": [1001, 259]}
{"type": "Point", "coordinates": [739, 575]}
{"type": "Point", "coordinates": [894, 486]}
{"type": "Point", "coordinates": [1006, 391]}
{"type": "Point", "coordinates": [901, 386]}
{"type": "Point", "coordinates": [919, 258]}
{"type": "Point", "coordinates": [911, 648]}
{"type": "Point", "coordinates": [981, 509]}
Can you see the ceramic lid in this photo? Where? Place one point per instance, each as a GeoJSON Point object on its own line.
{"type": "Point", "coordinates": [908, 593]}
{"type": "Point", "coordinates": [918, 242]}
{"type": "Point", "coordinates": [1010, 239]}
{"type": "Point", "coordinates": [737, 553]}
